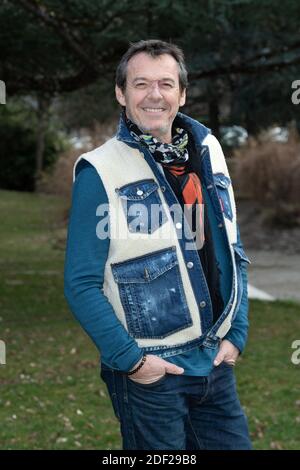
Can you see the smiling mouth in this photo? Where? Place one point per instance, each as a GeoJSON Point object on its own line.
{"type": "Point", "coordinates": [154, 110]}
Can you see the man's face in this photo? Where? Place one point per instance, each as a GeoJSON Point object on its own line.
{"type": "Point", "coordinates": [152, 96]}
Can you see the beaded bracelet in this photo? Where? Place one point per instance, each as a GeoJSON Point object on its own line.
{"type": "Point", "coordinates": [138, 367]}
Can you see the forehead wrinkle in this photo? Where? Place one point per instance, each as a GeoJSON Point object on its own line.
{"type": "Point", "coordinates": [141, 65]}
{"type": "Point", "coordinates": [149, 80]}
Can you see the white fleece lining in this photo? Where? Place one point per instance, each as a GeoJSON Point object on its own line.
{"type": "Point", "coordinates": [117, 165]}
{"type": "Point", "coordinates": [219, 165]}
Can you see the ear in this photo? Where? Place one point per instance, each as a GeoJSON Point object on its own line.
{"type": "Point", "coordinates": [182, 98]}
{"type": "Point", "coordinates": [120, 97]}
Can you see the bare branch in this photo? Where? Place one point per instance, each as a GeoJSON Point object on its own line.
{"type": "Point", "coordinates": [244, 69]}
{"type": "Point", "coordinates": [50, 19]}
{"type": "Point", "coordinates": [264, 54]}
{"type": "Point", "coordinates": [49, 85]}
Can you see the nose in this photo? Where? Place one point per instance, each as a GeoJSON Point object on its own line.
{"type": "Point", "coordinates": [154, 91]}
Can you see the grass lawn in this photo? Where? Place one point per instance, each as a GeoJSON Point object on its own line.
{"type": "Point", "coordinates": [51, 394]}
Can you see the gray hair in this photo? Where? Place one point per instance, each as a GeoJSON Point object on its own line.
{"type": "Point", "coordinates": [154, 48]}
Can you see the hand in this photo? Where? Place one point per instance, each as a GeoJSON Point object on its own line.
{"type": "Point", "coordinates": [154, 369]}
{"type": "Point", "coordinates": [227, 353]}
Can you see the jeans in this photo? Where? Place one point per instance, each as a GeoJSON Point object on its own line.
{"type": "Point", "coordinates": [179, 412]}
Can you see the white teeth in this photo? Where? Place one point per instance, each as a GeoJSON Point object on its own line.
{"type": "Point", "coordinates": [154, 110]}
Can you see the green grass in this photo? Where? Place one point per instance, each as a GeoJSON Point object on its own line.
{"type": "Point", "coordinates": [51, 394]}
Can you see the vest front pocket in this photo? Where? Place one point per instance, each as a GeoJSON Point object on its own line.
{"type": "Point", "coordinates": [222, 183]}
{"type": "Point", "coordinates": [142, 206]}
{"type": "Point", "coordinates": [152, 294]}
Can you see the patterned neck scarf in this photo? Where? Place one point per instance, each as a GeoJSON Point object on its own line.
{"type": "Point", "coordinates": [174, 153]}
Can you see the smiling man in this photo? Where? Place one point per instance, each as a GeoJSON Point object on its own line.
{"type": "Point", "coordinates": [153, 94]}
{"type": "Point", "coordinates": [164, 300]}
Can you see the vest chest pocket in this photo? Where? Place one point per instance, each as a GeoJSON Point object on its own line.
{"type": "Point", "coordinates": [152, 295]}
{"type": "Point", "coordinates": [142, 206]}
{"type": "Point", "coordinates": [222, 183]}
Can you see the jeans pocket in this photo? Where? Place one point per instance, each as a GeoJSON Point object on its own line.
{"type": "Point", "coordinates": [142, 206]}
{"type": "Point", "coordinates": [152, 294]}
{"type": "Point", "coordinates": [225, 364]}
{"type": "Point", "coordinates": [149, 385]}
{"type": "Point", "coordinates": [222, 183]}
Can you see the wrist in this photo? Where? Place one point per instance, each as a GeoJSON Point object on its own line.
{"type": "Point", "coordinates": [138, 366]}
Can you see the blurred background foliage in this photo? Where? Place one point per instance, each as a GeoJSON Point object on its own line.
{"type": "Point", "coordinates": [18, 141]}
{"type": "Point", "coordinates": [60, 57]}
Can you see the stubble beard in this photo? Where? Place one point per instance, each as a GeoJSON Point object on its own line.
{"type": "Point", "coordinates": [158, 133]}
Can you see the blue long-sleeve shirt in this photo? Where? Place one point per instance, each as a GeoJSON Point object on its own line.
{"type": "Point", "coordinates": [86, 257]}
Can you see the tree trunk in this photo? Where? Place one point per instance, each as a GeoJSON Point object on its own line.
{"type": "Point", "coordinates": [214, 120]}
{"type": "Point", "coordinates": [42, 124]}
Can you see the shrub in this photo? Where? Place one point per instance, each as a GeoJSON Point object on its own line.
{"type": "Point", "coordinates": [59, 179]}
{"type": "Point", "coordinates": [269, 173]}
{"type": "Point", "coordinates": [18, 147]}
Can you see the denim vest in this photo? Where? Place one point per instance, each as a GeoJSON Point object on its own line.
{"type": "Point", "coordinates": [153, 276]}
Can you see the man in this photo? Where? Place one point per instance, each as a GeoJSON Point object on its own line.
{"type": "Point", "coordinates": [155, 270]}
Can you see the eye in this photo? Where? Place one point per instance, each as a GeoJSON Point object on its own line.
{"type": "Point", "coordinates": [167, 85]}
{"type": "Point", "coordinates": [141, 85]}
